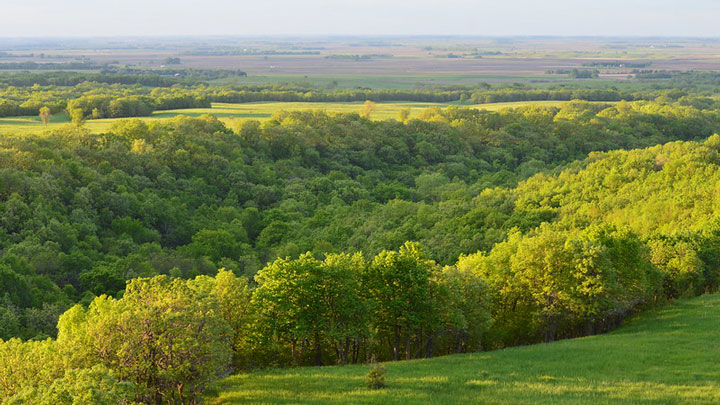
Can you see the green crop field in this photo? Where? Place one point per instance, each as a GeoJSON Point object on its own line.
{"type": "Point", "coordinates": [394, 82]}
{"type": "Point", "coordinates": [666, 356]}
{"type": "Point", "coordinates": [259, 111]}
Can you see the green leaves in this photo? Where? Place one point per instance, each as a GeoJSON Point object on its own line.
{"type": "Point", "coordinates": [554, 282]}
{"type": "Point", "coordinates": [167, 336]}
{"type": "Point", "coordinates": [399, 286]}
{"type": "Point", "coordinates": [96, 385]}
{"type": "Point", "coordinates": [342, 306]}
{"type": "Point", "coordinates": [313, 300]}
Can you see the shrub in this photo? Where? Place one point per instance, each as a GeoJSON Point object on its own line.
{"type": "Point", "coordinates": [375, 378]}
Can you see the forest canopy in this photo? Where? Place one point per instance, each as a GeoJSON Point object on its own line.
{"type": "Point", "coordinates": [340, 238]}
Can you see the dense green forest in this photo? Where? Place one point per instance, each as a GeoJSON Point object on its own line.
{"type": "Point", "coordinates": [341, 238]}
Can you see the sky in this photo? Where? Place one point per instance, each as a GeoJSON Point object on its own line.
{"type": "Point", "coordinates": [100, 18]}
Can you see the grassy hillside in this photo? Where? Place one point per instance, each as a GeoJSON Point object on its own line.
{"type": "Point", "coordinates": [666, 356]}
{"type": "Point", "coordinates": [259, 111]}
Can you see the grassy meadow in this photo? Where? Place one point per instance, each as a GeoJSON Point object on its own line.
{"type": "Point", "coordinates": [664, 356]}
{"type": "Point", "coordinates": [259, 111]}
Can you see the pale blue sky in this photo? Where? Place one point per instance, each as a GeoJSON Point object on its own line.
{"type": "Point", "coordinates": [22, 18]}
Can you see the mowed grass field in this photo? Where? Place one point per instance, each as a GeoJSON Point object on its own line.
{"type": "Point", "coordinates": [665, 356]}
{"type": "Point", "coordinates": [231, 112]}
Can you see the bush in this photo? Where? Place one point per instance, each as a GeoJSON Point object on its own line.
{"type": "Point", "coordinates": [375, 378]}
{"type": "Point", "coordinates": [96, 385]}
{"type": "Point", "coordinates": [165, 336]}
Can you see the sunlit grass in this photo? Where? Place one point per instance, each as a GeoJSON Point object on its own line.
{"type": "Point", "coordinates": [228, 113]}
{"type": "Point", "coordinates": [666, 356]}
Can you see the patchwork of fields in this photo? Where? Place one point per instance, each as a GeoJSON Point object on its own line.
{"type": "Point", "coordinates": [665, 356]}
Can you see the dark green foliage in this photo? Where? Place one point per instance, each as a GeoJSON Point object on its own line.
{"type": "Point", "coordinates": [399, 285]}
{"type": "Point", "coordinates": [541, 256]}
{"type": "Point", "coordinates": [88, 211]}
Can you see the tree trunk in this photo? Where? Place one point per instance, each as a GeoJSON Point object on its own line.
{"type": "Point", "coordinates": [429, 348]}
{"type": "Point", "coordinates": [356, 351]}
{"type": "Point", "coordinates": [407, 346]}
{"type": "Point", "coordinates": [293, 351]}
{"type": "Point", "coordinates": [418, 352]}
{"type": "Point", "coordinates": [338, 352]}
{"type": "Point", "coordinates": [589, 328]}
{"type": "Point", "coordinates": [318, 351]}
{"type": "Point", "coordinates": [346, 351]}
{"type": "Point", "coordinates": [550, 329]}
{"type": "Point", "coordinates": [396, 346]}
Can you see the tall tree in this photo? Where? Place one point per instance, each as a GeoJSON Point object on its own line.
{"type": "Point", "coordinates": [45, 115]}
{"type": "Point", "coordinates": [368, 108]}
{"type": "Point", "coordinates": [77, 116]}
{"type": "Point", "coordinates": [404, 114]}
{"type": "Point", "coordinates": [398, 285]}
{"type": "Point", "coordinates": [306, 300]}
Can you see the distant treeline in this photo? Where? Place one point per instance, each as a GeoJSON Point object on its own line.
{"type": "Point", "coordinates": [575, 73]}
{"type": "Point", "coordinates": [133, 106]}
{"type": "Point", "coordinates": [477, 97]}
{"type": "Point", "coordinates": [98, 100]}
{"type": "Point", "coordinates": [95, 107]}
{"type": "Point", "coordinates": [359, 57]}
{"type": "Point", "coordinates": [4, 54]}
{"type": "Point", "coordinates": [50, 66]}
{"type": "Point", "coordinates": [194, 75]}
{"type": "Point", "coordinates": [117, 75]}
{"type": "Point", "coordinates": [618, 64]}
{"type": "Point", "coordinates": [230, 95]}
{"type": "Point", "coordinates": [74, 78]}
{"type": "Point", "coordinates": [679, 78]}
{"type": "Point", "coordinates": [237, 52]}
{"type": "Point", "coordinates": [509, 95]}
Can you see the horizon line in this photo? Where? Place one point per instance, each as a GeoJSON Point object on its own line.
{"type": "Point", "coordinates": [361, 36]}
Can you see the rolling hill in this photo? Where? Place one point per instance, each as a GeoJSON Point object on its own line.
{"type": "Point", "coordinates": [664, 356]}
